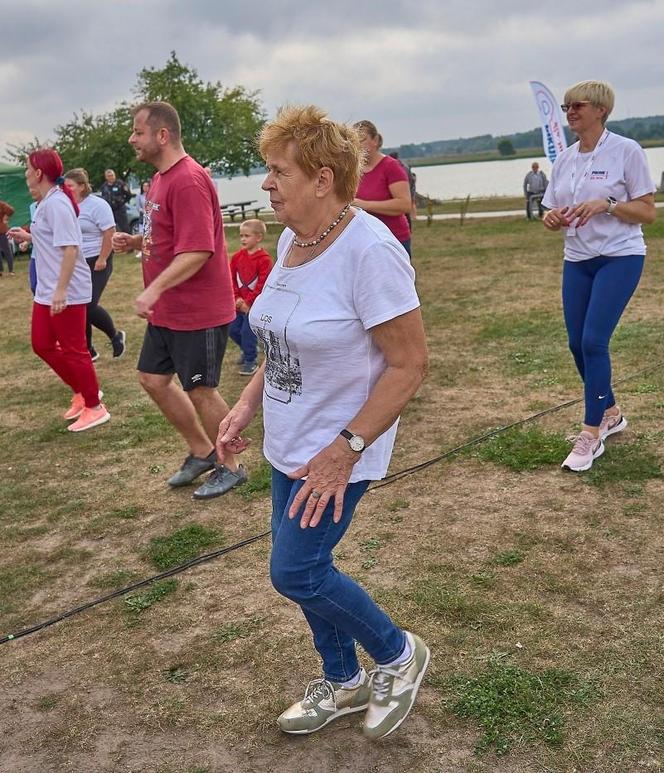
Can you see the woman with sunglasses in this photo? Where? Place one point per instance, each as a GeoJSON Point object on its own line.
{"type": "Point", "coordinates": [600, 194]}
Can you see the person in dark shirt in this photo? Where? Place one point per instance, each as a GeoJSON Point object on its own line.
{"type": "Point", "coordinates": [116, 192]}
{"type": "Point", "coordinates": [6, 252]}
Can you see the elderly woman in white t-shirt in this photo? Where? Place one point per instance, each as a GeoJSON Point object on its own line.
{"type": "Point", "coordinates": [97, 227]}
{"type": "Point", "coordinates": [600, 194]}
{"type": "Point", "coordinates": [344, 352]}
{"type": "Point", "coordinates": [64, 289]}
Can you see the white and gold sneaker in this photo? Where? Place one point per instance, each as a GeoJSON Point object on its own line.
{"type": "Point", "coordinates": [394, 689]}
{"type": "Point", "coordinates": [323, 702]}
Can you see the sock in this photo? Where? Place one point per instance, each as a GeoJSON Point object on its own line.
{"type": "Point", "coordinates": [405, 655]}
{"type": "Point", "coordinates": [352, 682]}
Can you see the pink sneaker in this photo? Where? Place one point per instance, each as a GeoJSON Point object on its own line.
{"type": "Point", "coordinates": [89, 418]}
{"type": "Point", "coordinates": [76, 407]}
{"type": "Point", "coordinates": [612, 424]}
{"type": "Point", "coordinates": [586, 449]}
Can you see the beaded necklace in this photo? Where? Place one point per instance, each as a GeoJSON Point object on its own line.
{"type": "Point", "coordinates": [326, 232]}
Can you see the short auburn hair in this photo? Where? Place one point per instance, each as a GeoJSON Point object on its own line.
{"type": "Point", "coordinates": [318, 142]}
{"type": "Point", "coordinates": [6, 210]}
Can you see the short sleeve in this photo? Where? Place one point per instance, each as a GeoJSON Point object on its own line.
{"type": "Point", "coordinates": [63, 221]}
{"type": "Point", "coordinates": [384, 284]}
{"type": "Point", "coordinates": [637, 174]}
{"type": "Point", "coordinates": [193, 219]}
{"type": "Point", "coordinates": [103, 215]}
{"type": "Point", "coordinates": [549, 198]}
{"type": "Point", "coordinates": [395, 172]}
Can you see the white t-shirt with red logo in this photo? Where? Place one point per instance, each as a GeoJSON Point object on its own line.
{"type": "Point", "coordinates": [619, 169]}
{"type": "Point", "coordinates": [321, 363]}
{"type": "Point", "coordinates": [55, 227]}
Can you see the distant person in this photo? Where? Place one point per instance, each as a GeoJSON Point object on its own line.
{"type": "Point", "coordinates": [384, 190]}
{"type": "Point", "coordinates": [97, 227]}
{"type": "Point", "coordinates": [534, 186]}
{"type": "Point", "coordinates": [64, 289]}
{"type": "Point", "coordinates": [600, 194]}
{"type": "Point", "coordinates": [344, 353]}
{"type": "Point", "coordinates": [250, 267]}
{"type": "Point", "coordinates": [6, 251]}
{"type": "Point", "coordinates": [412, 178]}
{"type": "Point", "coordinates": [116, 192]}
{"type": "Point", "coordinates": [141, 198]}
{"type": "Point", "coordinates": [188, 298]}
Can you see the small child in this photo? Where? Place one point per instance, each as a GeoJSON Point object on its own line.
{"type": "Point", "coordinates": [249, 269]}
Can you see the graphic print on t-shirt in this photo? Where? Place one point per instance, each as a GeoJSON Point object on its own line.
{"type": "Point", "coordinates": [147, 228]}
{"type": "Point", "coordinates": [283, 376]}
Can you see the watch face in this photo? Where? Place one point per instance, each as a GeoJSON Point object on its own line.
{"type": "Point", "coordinates": [356, 443]}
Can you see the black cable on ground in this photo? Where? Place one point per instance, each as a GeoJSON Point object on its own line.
{"type": "Point", "coordinates": [393, 478]}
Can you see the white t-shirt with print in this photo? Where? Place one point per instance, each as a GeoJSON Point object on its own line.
{"type": "Point", "coordinates": [619, 169]}
{"type": "Point", "coordinates": [95, 216]}
{"type": "Point", "coordinates": [321, 362]}
{"type": "Point", "coordinates": [56, 226]}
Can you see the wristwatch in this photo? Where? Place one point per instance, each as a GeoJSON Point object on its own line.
{"type": "Point", "coordinates": [612, 204]}
{"type": "Point", "coordinates": [355, 442]}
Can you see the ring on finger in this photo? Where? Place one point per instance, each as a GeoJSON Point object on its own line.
{"type": "Point", "coordinates": [316, 494]}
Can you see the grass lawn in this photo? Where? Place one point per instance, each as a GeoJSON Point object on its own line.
{"type": "Point", "coordinates": [539, 592]}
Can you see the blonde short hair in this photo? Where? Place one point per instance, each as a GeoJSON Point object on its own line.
{"type": "Point", "coordinates": [318, 142]}
{"type": "Point", "coordinates": [255, 225]}
{"type": "Point", "coordinates": [80, 177]}
{"type": "Point", "coordinates": [598, 93]}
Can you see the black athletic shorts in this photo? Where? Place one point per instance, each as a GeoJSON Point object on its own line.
{"type": "Point", "coordinates": [195, 355]}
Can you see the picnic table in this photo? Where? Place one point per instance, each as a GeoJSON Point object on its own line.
{"type": "Point", "coordinates": [240, 208]}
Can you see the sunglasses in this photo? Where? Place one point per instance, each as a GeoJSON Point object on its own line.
{"type": "Point", "coordinates": [574, 106]}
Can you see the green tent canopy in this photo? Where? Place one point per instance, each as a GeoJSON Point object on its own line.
{"type": "Point", "coordinates": [14, 191]}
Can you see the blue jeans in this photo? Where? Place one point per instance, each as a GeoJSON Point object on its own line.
{"type": "Point", "coordinates": [595, 294]}
{"type": "Point", "coordinates": [244, 336]}
{"type": "Point", "coordinates": [338, 610]}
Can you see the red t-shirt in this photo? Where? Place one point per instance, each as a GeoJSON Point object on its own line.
{"type": "Point", "coordinates": [182, 215]}
{"type": "Point", "coordinates": [249, 270]}
{"type": "Point", "coordinates": [375, 186]}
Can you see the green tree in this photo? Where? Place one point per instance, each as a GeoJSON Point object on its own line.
{"type": "Point", "coordinates": [219, 126]}
{"type": "Point", "coordinates": [505, 147]}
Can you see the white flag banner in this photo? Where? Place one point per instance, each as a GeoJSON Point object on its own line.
{"type": "Point", "coordinates": [551, 118]}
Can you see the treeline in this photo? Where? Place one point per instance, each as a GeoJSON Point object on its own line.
{"type": "Point", "coordinates": [640, 129]}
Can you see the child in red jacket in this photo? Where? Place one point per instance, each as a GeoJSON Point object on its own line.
{"type": "Point", "coordinates": [249, 269]}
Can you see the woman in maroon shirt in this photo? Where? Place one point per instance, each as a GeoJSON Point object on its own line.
{"type": "Point", "coordinates": [383, 190]}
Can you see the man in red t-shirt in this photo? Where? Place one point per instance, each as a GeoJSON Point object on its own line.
{"type": "Point", "coordinates": [188, 298]}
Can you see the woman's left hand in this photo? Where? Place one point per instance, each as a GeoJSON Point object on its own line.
{"type": "Point", "coordinates": [327, 476]}
{"type": "Point", "coordinates": [100, 264]}
{"type": "Point", "coordinates": [587, 209]}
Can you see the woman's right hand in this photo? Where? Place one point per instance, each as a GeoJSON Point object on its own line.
{"type": "Point", "coordinates": [555, 219]}
{"type": "Point", "coordinates": [230, 428]}
{"type": "Point", "coordinates": [19, 234]}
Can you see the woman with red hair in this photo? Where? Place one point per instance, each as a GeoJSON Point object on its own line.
{"type": "Point", "coordinates": [64, 288]}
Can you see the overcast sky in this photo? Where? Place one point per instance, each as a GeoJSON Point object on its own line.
{"type": "Point", "coordinates": [421, 70]}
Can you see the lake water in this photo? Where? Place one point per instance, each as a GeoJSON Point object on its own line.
{"type": "Point", "coordinates": [451, 181]}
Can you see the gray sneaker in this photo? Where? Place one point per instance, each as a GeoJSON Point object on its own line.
{"type": "Point", "coordinates": [394, 689]}
{"type": "Point", "coordinates": [323, 702]}
{"type": "Point", "coordinates": [220, 480]}
{"type": "Point", "coordinates": [248, 368]}
{"type": "Point", "coordinates": [192, 467]}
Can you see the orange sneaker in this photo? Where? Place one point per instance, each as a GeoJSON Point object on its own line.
{"type": "Point", "coordinates": [76, 407]}
{"type": "Point", "coordinates": [89, 418]}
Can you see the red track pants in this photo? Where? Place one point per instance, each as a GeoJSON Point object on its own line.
{"type": "Point", "coordinates": [59, 339]}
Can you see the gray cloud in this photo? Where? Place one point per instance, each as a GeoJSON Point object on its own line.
{"type": "Point", "coordinates": [423, 71]}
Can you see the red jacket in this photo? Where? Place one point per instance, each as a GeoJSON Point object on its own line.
{"type": "Point", "coordinates": [249, 272]}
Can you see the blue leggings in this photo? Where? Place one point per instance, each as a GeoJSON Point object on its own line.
{"type": "Point", "coordinates": [595, 294]}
